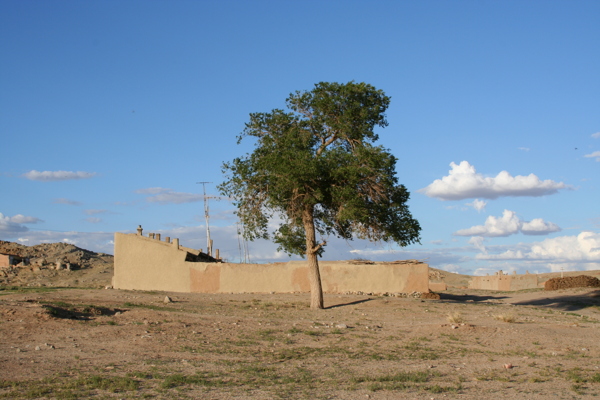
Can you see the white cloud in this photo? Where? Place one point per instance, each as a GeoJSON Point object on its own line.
{"type": "Point", "coordinates": [50, 176]}
{"type": "Point", "coordinates": [575, 252]}
{"type": "Point", "coordinates": [13, 226]}
{"type": "Point", "coordinates": [509, 224]}
{"type": "Point", "coordinates": [152, 190]}
{"type": "Point", "coordinates": [93, 220]}
{"type": "Point", "coordinates": [9, 227]}
{"type": "Point", "coordinates": [596, 135]}
{"type": "Point", "coordinates": [595, 155]}
{"type": "Point", "coordinates": [457, 269]}
{"type": "Point", "coordinates": [62, 200]}
{"type": "Point", "coordinates": [538, 226]}
{"type": "Point", "coordinates": [477, 204]}
{"type": "Point", "coordinates": [168, 196]}
{"type": "Point", "coordinates": [94, 212]}
{"type": "Point", "coordinates": [484, 271]}
{"type": "Point", "coordinates": [22, 219]}
{"type": "Point", "coordinates": [524, 148]}
{"type": "Point", "coordinates": [477, 241]}
{"type": "Point", "coordinates": [463, 182]}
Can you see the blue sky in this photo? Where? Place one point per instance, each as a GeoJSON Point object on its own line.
{"type": "Point", "coordinates": [112, 111]}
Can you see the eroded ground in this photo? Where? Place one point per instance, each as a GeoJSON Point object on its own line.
{"type": "Point", "coordinates": [75, 343]}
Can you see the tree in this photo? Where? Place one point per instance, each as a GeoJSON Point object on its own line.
{"type": "Point", "coordinates": [317, 167]}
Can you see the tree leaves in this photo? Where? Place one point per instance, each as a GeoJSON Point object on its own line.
{"type": "Point", "coordinates": [319, 158]}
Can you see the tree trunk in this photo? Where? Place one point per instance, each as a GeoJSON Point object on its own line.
{"type": "Point", "coordinates": [314, 276]}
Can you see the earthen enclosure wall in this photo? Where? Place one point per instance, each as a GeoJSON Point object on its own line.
{"type": "Point", "coordinates": [143, 263]}
{"type": "Point", "coordinates": [505, 282]}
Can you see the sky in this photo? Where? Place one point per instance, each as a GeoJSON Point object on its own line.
{"type": "Point", "coordinates": [111, 112]}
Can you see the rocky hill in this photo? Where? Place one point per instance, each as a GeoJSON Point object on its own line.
{"type": "Point", "coordinates": [77, 267]}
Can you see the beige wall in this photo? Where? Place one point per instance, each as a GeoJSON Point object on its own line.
{"type": "Point", "coordinates": [5, 261]}
{"type": "Point", "coordinates": [505, 282]}
{"type": "Point", "coordinates": [143, 263]}
{"type": "Point", "coordinates": [148, 264]}
{"type": "Point", "coordinates": [438, 286]}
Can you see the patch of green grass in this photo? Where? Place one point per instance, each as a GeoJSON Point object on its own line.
{"type": "Point", "coordinates": [4, 290]}
{"type": "Point", "coordinates": [400, 381]}
{"type": "Point", "coordinates": [267, 334]}
{"type": "Point", "coordinates": [577, 389]}
{"type": "Point", "coordinates": [65, 387]}
{"type": "Point", "coordinates": [313, 333]}
{"type": "Point", "coordinates": [176, 380]}
{"type": "Point", "coordinates": [492, 376]}
{"type": "Point", "coordinates": [111, 384]}
{"type": "Point", "coordinates": [415, 377]}
{"type": "Point", "coordinates": [442, 389]}
{"type": "Point", "coordinates": [294, 353]}
{"type": "Point", "coordinates": [450, 337]}
{"type": "Point", "coordinates": [149, 307]}
{"type": "Point", "coordinates": [536, 379]}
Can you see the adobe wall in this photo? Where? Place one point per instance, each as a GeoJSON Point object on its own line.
{"type": "Point", "coordinates": [5, 261]}
{"type": "Point", "coordinates": [144, 263]}
{"type": "Point", "coordinates": [336, 277]}
{"type": "Point", "coordinates": [502, 282]}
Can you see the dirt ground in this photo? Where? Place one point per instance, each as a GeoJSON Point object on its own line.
{"type": "Point", "coordinates": [63, 336]}
{"type": "Point", "coordinates": [70, 343]}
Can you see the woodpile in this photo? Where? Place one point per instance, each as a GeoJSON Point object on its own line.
{"type": "Point", "coordinates": [571, 282]}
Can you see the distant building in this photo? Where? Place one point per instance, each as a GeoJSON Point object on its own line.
{"type": "Point", "coordinates": [500, 281]}
{"type": "Point", "coordinates": [9, 260]}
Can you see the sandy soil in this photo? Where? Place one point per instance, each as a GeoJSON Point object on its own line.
{"type": "Point", "coordinates": [79, 343]}
{"type": "Point", "coordinates": [65, 337]}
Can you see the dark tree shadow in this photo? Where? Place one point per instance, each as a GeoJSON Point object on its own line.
{"type": "Point", "coordinates": [571, 302]}
{"type": "Point", "coordinates": [461, 298]}
{"type": "Point", "coordinates": [84, 313]}
{"type": "Point", "coordinates": [348, 304]}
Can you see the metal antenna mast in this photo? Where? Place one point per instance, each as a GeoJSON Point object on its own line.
{"type": "Point", "coordinates": [208, 241]}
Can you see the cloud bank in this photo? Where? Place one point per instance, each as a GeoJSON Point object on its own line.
{"type": "Point", "coordinates": [581, 249]}
{"type": "Point", "coordinates": [167, 196]}
{"type": "Point", "coordinates": [62, 200]}
{"type": "Point", "coordinates": [509, 224]}
{"type": "Point", "coordinates": [51, 176]}
{"type": "Point", "coordinates": [463, 182]}
{"type": "Point", "coordinates": [94, 212]}
{"type": "Point", "coordinates": [11, 226]}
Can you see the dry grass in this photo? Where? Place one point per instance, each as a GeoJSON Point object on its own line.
{"type": "Point", "coordinates": [505, 318]}
{"type": "Point", "coordinates": [456, 318]}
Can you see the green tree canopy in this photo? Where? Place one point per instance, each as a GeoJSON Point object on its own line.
{"type": "Point", "coordinates": [316, 166]}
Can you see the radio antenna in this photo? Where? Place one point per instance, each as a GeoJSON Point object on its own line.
{"type": "Point", "coordinates": [206, 216]}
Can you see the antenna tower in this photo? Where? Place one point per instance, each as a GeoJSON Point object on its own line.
{"type": "Point", "coordinates": [206, 216]}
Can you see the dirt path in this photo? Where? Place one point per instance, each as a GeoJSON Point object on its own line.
{"type": "Point", "coordinates": [74, 343]}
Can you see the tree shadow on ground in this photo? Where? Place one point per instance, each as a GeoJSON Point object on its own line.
{"type": "Point", "coordinates": [461, 298]}
{"type": "Point", "coordinates": [84, 313]}
{"type": "Point", "coordinates": [570, 302]}
{"type": "Point", "coordinates": [347, 304]}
